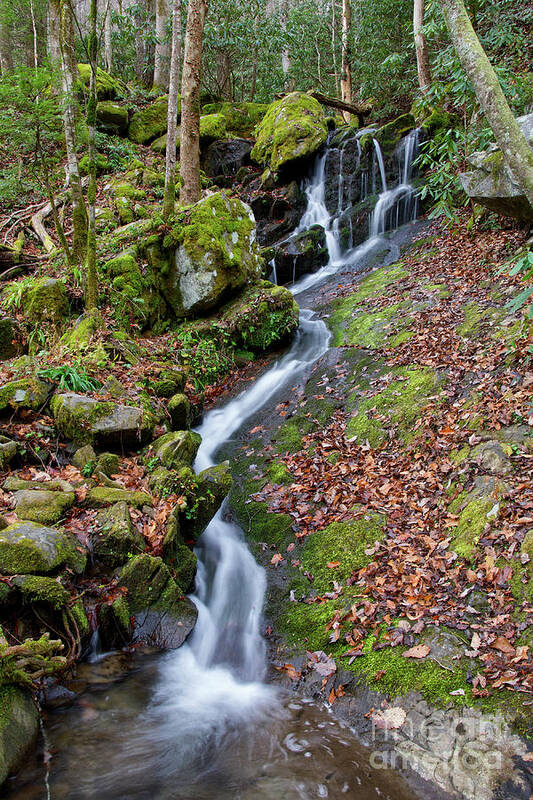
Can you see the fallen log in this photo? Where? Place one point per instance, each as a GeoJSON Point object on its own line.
{"type": "Point", "coordinates": [361, 110]}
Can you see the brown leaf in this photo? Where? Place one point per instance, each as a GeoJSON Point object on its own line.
{"type": "Point", "coordinates": [418, 651]}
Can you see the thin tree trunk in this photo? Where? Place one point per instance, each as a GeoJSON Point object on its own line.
{"type": "Point", "coordinates": [516, 151]}
{"type": "Point", "coordinates": [54, 47]}
{"type": "Point", "coordinates": [6, 49]}
{"type": "Point", "coordinates": [161, 55]}
{"type": "Point", "coordinates": [253, 82]}
{"type": "Point", "coordinates": [285, 55]}
{"type": "Point", "coordinates": [346, 67]}
{"type": "Point", "coordinates": [169, 200]}
{"type": "Point", "coordinates": [108, 44]}
{"type": "Point", "coordinates": [91, 289]}
{"type": "Point", "coordinates": [224, 75]}
{"type": "Point", "coordinates": [422, 56]}
{"type": "Point", "coordinates": [334, 43]}
{"type": "Point", "coordinates": [190, 103]}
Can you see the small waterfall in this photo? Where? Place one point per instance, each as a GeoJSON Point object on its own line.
{"type": "Point", "coordinates": [381, 164]}
{"type": "Point", "coordinates": [399, 205]}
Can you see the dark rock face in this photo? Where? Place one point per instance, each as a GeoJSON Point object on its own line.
{"type": "Point", "coordinates": [277, 216]}
{"type": "Point", "coordinates": [307, 252]}
{"type": "Point", "coordinates": [226, 157]}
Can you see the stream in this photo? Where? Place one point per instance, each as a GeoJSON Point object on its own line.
{"type": "Point", "coordinates": [205, 721]}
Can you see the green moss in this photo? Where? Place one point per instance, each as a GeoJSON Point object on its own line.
{"type": "Point", "coordinates": [461, 455]}
{"type": "Point", "coordinates": [75, 422]}
{"type": "Point", "coordinates": [38, 589]}
{"type": "Point", "coordinates": [262, 315]}
{"type": "Point", "coordinates": [107, 87]}
{"type": "Point", "coordinates": [375, 284]}
{"type": "Point", "coordinates": [104, 496]}
{"type": "Point", "coordinates": [151, 122]}
{"type": "Point", "coordinates": [361, 428]}
{"type": "Point", "coordinates": [438, 120]}
{"type": "Point", "coordinates": [277, 473]}
{"type": "Point", "coordinates": [45, 507]}
{"type": "Point", "coordinates": [390, 134]}
{"type": "Point", "coordinates": [472, 522]}
{"type": "Point", "coordinates": [400, 338]}
{"type": "Point", "coordinates": [363, 329]}
{"type": "Point", "coordinates": [26, 393]}
{"type": "Point", "coordinates": [212, 127]}
{"type": "Point", "coordinates": [78, 614]}
{"type": "Point", "coordinates": [46, 301]}
{"type": "Point", "coordinates": [27, 548]}
{"type": "Point", "coordinates": [149, 584]}
{"type": "Point", "coordinates": [102, 165]}
{"type": "Point", "coordinates": [240, 118]}
{"type": "Point", "coordinates": [127, 190]}
{"type": "Point", "coordinates": [289, 438]}
{"type": "Point", "coordinates": [79, 335]}
{"type": "Point", "coordinates": [292, 129]}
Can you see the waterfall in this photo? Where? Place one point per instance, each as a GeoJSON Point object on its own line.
{"type": "Point", "coordinates": [381, 163]}
{"type": "Point", "coordinates": [397, 206]}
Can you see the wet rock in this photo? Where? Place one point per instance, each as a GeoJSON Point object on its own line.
{"type": "Point", "coordinates": [117, 537]}
{"type": "Point", "coordinates": [102, 496]}
{"type": "Point", "coordinates": [56, 696]}
{"type": "Point", "coordinates": [179, 409]}
{"type": "Point", "coordinates": [114, 623]}
{"type": "Point", "coordinates": [104, 424]}
{"type": "Point", "coordinates": [175, 449]}
{"type": "Point", "coordinates": [214, 484]}
{"type": "Point", "coordinates": [491, 457]}
{"type": "Point", "coordinates": [262, 316]}
{"type": "Point", "coordinates": [26, 393]}
{"type": "Point", "coordinates": [19, 723]}
{"type": "Point", "coordinates": [304, 253]}
{"type": "Point", "coordinates": [226, 157]}
{"type": "Point", "coordinates": [12, 341]}
{"type": "Point", "coordinates": [40, 589]}
{"type": "Point", "coordinates": [27, 548]}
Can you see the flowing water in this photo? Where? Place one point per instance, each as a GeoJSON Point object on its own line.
{"type": "Point", "coordinates": [201, 722]}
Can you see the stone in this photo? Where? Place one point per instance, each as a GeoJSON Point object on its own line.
{"type": "Point", "coordinates": [134, 296]}
{"type": "Point", "coordinates": [24, 394]}
{"type": "Point", "coordinates": [40, 505]}
{"type": "Point", "coordinates": [445, 646]}
{"type": "Point", "coordinates": [240, 119]}
{"type": "Point", "coordinates": [12, 340]}
{"type": "Point", "coordinates": [214, 484]}
{"type": "Point", "coordinates": [491, 458]}
{"type": "Point", "coordinates": [212, 127]}
{"type": "Point", "coordinates": [262, 316]}
{"type": "Point", "coordinates": [46, 301]}
{"type": "Point", "coordinates": [169, 382]}
{"type": "Point", "coordinates": [104, 424]}
{"type": "Point", "coordinates": [291, 132]}
{"type": "Point", "coordinates": [117, 537]}
{"type": "Point", "coordinates": [179, 409]}
{"type": "Point", "coordinates": [226, 157]}
{"type": "Point", "coordinates": [19, 725]}
{"type": "Point", "coordinates": [151, 122]}
{"type": "Point", "coordinates": [115, 624]}
{"type": "Point", "coordinates": [8, 451]}
{"type": "Point", "coordinates": [108, 463]}
{"type": "Point", "coordinates": [102, 496]}
{"type": "Point", "coordinates": [83, 456]}
{"type": "Point", "coordinates": [40, 589]}
{"type": "Point", "coordinates": [15, 484]}
{"type": "Point", "coordinates": [28, 548]}
{"type": "Point", "coordinates": [491, 184]}
{"type": "Point", "coordinates": [107, 87]}
{"type": "Point", "coordinates": [111, 118]}
{"type": "Point", "coordinates": [113, 387]}
{"type": "Point", "coordinates": [306, 252]}
{"type": "Point", "coordinates": [175, 449]}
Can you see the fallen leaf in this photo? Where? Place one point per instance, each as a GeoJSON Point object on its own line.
{"type": "Point", "coordinates": [418, 651]}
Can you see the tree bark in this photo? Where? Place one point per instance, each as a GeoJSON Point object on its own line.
{"type": "Point", "coordinates": [6, 50]}
{"type": "Point", "coordinates": [285, 55]}
{"type": "Point", "coordinates": [421, 49]}
{"type": "Point", "coordinates": [54, 47]}
{"type": "Point", "coordinates": [516, 151]}
{"type": "Point", "coordinates": [169, 199]}
{"type": "Point", "coordinates": [108, 44]}
{"type": "Point", "coordinates": [190, 103]}
{"type": "Point", "coordinates": [161, 56]}
{"type": "Point", "coordinates": [346, 67]}
{"type": "Point", "coordinates": [91, 288]}
{"type": "Point", "coordinates": [224, 75]}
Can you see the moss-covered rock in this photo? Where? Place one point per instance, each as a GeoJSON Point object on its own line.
{"type": "Point", "coordinates": [263, 315]}
{"type": "Point", "coordinates": [102, 496]}
{"type": "Point", "coordinates": [107, 87]}
{"type": "Point", "coordinates": [19, 725]}
{"type": "Point", "coordinates": [102, 165]}
{"type": "Point", "coordinates": [40, 505]}
{"type": "Point", "coordinates": [105, 424]}
{"type": "Point", "coordinates": [40, 589]}
{"type": "Point", "coordinates": [81, 332]}
{"type": "Point", "coordinates": [27, 548]}
{"type": "Point", "coordinates": [84, 456]}
{"type": "Point", "coordinates": [476, 514]}
{"type": "Point", "coordinates": [46, 301]}
{"type": "Point", "coordinates": [179, 409]}
{"type": "Point", "coordinates": [175, 449]}
{"type": "Point", "coordinates": [26, 393]}
{"type": "Point", "coordinates": [133, 296]}
{"type": "Point", "coordinates": [213, 485]}
{"type": "Point", "coordinates": [212, 127]}
{"type": "Point", "coordinates": [240, 119]}
{"type": "Point", "coordinates": [8, 451]}
{"type": "Point", "coordinates": [292, 130]}
{"type": "Point", "coordinates": [112, 118]}
{"type": "Point", "coordinates": [108, 463]}
{"type": "Point", "coordinates": [151, 122]}
{"type": "Point", "coordinates": [12, 340]}
{"type": "Point", "coordinates": [114, 623]}
{"type": "Point", "coordinates": [168, 382]}
{"type": "Point", "coordinates": [117, 537]}
{"type": "Point", "coordinates": [389, 135]}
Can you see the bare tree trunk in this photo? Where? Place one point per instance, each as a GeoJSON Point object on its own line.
{"type": "Point", "coordinates": [91, 288]}
{"type": "Point", "coordinates": [224, 75]}
{"type": "Point", "coordinates": [516, 151]}
{"type": "Point", "coordinates": [169, 200]}
{"type": "Point", "coordinates": [6, 50]}
{"type": "Point", "coordinates": [108, 44]}
{"type": "Point", "coordinates": [334, 43]}
{"type": "Point", "coordinates": [346, 67]}
{"type": "Point", "coordinates": [285, 55]}
{"type": "Point", "coordinates": [54, 47]}
{"type": "Point", "coordinates": [253, 82]}
{"type": "Point", "coordinates": [190, 103]}
{"type": "Point", "coordinates": [422, 56]}
{"type": "Point", "coordinates": [161, 56]}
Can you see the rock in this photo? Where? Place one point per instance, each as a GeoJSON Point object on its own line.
{"type": "Point", "coordinates": [226, 157]}
{"type": "Point", "coordinates": [278, 215]}
{"type": "Point", "coordinates": [214, 484]}
{"type": "Point", "coordinates": [118, 537]}
{"type": "Point", "coordinates": [111, 118]}
{"type": "Point", "coordinates": [261, 316]}
{"type": "Point", "coordinates": [107, 87]}
{"type": "Point", "coordinates": [163, 617]}
{"type": "Point", "coordinates": [39, 589]}
{"type": "Point", "coordinates": [491, 458]}
{"type": "Point", "coordinates": [215, 254]}
{"type": "Point", "coordinates": [212, 127]}
{"type": "Point", "coordinates": [46, 301]}
{"type": "Point", "coordinates": [151, 122]}
{"type": "Point", "coordinates": [26, 393]}
{"type": "Point", "coordinates": [79, 335]}
{"type": "Point", "coordinates": [3, 522]}
{"type": "Point", "coordinates": [102, 496]}
{"type": "Point", "coordinates": [169, 382]}
{"type": "Point", "coordinates": [240, 119]}
{"type": "Point", "coordinates": [12, 341]}
{"type": "Point", "coordinates": [113, 387]}
{"type": "Point", "coordinates": [8, 451]}
{"type": "Point", "coordinates": [291, 132]}
{"type": "Point", "coordinates": [56, 696]}
{"type": "Point", "coordinates": [19, 725]}
{"type": "Point", "coordinates": [306, 252]}
{"type": "Point", "coordinates": [491, 184]}
{"type": "Point", "coordinates": [114, 624]}
{"type": "Point", "coordinates": [175, 449]}
{"type": "Point", "coordinates": [40, 505]}
{"type": "Point", "coordinates": [179, 409]}
{"type": "Point", "coordinates": [108, 463]}
{"type": "Point", "coordinates": [134, 297]}
{"type": "Point", "coordinates": [104, 424]}
{"type": "Point", "coordinates": [389, 135]}
{"type": "Point", "coordinates": [163, 481]}
{"type": "Point", "coordinates": [27, 548]}
{"type": "Point", "coordinates": [445, 646]}
{"type": "Point", "coordinates": [102, 165]}
{"type": "Point", "coordinates": [15, 484]}
{"type": "Point", "coordinates": [83, 456]}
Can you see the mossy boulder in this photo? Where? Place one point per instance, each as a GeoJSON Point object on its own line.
{"type": "Point", "coordinates": [107, 87]}
{"type": "Point", "coordinates": [28, 548]}
{"type": "Point", "coordinates": [215, 254]}
{"type": "Point", "coordinates": [169, 381]}
{"type": "Point", "coordinates": [108, 463]}
{"type": "Point", "coordinates": [24, 394]}
{"type": "Point", "coordinates": [12, 341]}
{"type": "Point", "coordinates": [214, 485]}
{"type": "Point", "coordinates": [389, 135]}
{"type": "Point", "coordinates": [41, 505]}
{"type": "Point", "coordinates": [117, 537]}
{"type": "Point", "coordinates": [240, 119]}
{"type": "Point", "coordinates": [212, 127]}
{"type": "Point", "coordinates": [263, 315]}
{"type": "Point", "coordinates": [292, 131]}
{"type": "Point", "coordinates": [133, 296]}
{"type": "Point", "coordinates": [114, 624]}
{"type": "Point", "coordinates": [179, 409]}
{"type": "Point", "coordinates": [102, 496]}
{"type": "Point", "coordinates": [8, 451]}
{"type": "Point", "coordinates": [40, 589]}
{"type": "Point", "coordinates": [84, 456]}
{"type": "Point", "coordinates": [151, 122]}
{"type": "Point", "coordinates": [111, 118]}
{"type": "Point", "coordinates": [82, 331]}
{"type": "Point", "coordinates": [303, 253]}
{"type": "Point", "coordinates": [84, 420]}
{"type": "Point", "coordinates": [175, 449]}
{"type": "Point", "coordinates": [102, 165]}
{"type": "Point", "coordinates": [19, 725]}
{"type": "Point", "coordinates": [46, 301]}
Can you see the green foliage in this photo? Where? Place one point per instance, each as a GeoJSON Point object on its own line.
{"type": "Point", "coordinates": [118, 152]}
{"type": "Point", "coordinates": [13, 294]}
{"type": "Point", "coordinates": [521, 264]}
{"type": "Point", "coordinates": [71, 377]}
{"type": "Point", "coordinates": [207, 356]}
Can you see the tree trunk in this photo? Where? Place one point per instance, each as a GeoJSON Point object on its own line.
{"type": "Point", "coordinates": [422, 57]}
{"type": "Point", "coordinates": [346, 67]}
{"type": "Point", "coordinates": [169, 199]}
{"type": "Point", "coordinates": [334, 43]}
{"type": "Point", "coordinates": [108, 45]}
{"type": "Point", "coordinates": [224, 75]}
{"type": "Point", "coordinates": [91, 288]}
{"type": "Point", "coordinates": [6, 47]}
{"type": "Point", "coordinates": [161, 56]}
{"type": "Point", "coordinates": [54, 48]}
{"type": "Point", "coordinates": [190, 103]}
{"type": "Point", "coordinates": [516, 151]}
{"type": "Point", "coordinates": [285, 55]}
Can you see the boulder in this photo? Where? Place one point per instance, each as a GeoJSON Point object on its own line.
{"type": "Point", "coordinates": [40, 589]}
{"type": "Point", "coordinates": [117, 536]}
{"type": "Point", "coordinates": [24, 394]}
{"type": "Point", "coordinates": [27, 548]}
{"type": "Point", "coordinates": [175, 449]}
{"type": "Point", "coordinates": [108, 463]}
{"type": "Point", "coordinates": [102, 496]}
{"type": "Point", "coordinates": [83, 456]}
{"type": "Point", "coordinates": [226, 157]}
{"type": "Point", "coordinates": [261, 316]}
{"type": "Point", "coordinates": [79, 335]}
{"type": "Point", "coordinates": [104, 424]}
{"type": "Point", "coordinates": [107, 87]}
{"type": "Point", "coordinates": [41, 505]}
{"type": "Point", "coordinates": [491, 457]}
{"type": "Point", "coordinates": [8, 451]}
{"type": "Point", "coordinates": [179, 409]}
{"type": "Point", "coordinates": [214, 254]}
{"type": "Point", "coordinates": [12, 341]}
{"type": "Point", "coordinates": [151, 122]}
{"type": "Point", "coordinates": [19, 725]}
{"type": "Point", "coordinates": [304, 253]}
{"type": "Point", "coordinates": [214, 484]}
{"type": "Point", "coordinates": [111, 118]}
{"type": "Point", "coordinates": [212, 127]}
{"type": "Point", "coordinates": [292, 131]}
{"type": "Point", "coordinates": [491, 184]}
{"type": "Point", "coordinates": [134, 297]}
{"type": "Point", "coordinates": [240, 119]}
{"type": "Point", "coordinates": [169, 382]}
{"type": "Point", "coordinates": [163, 616]}
{"type": "Point", "coordinates": [46, 301]}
